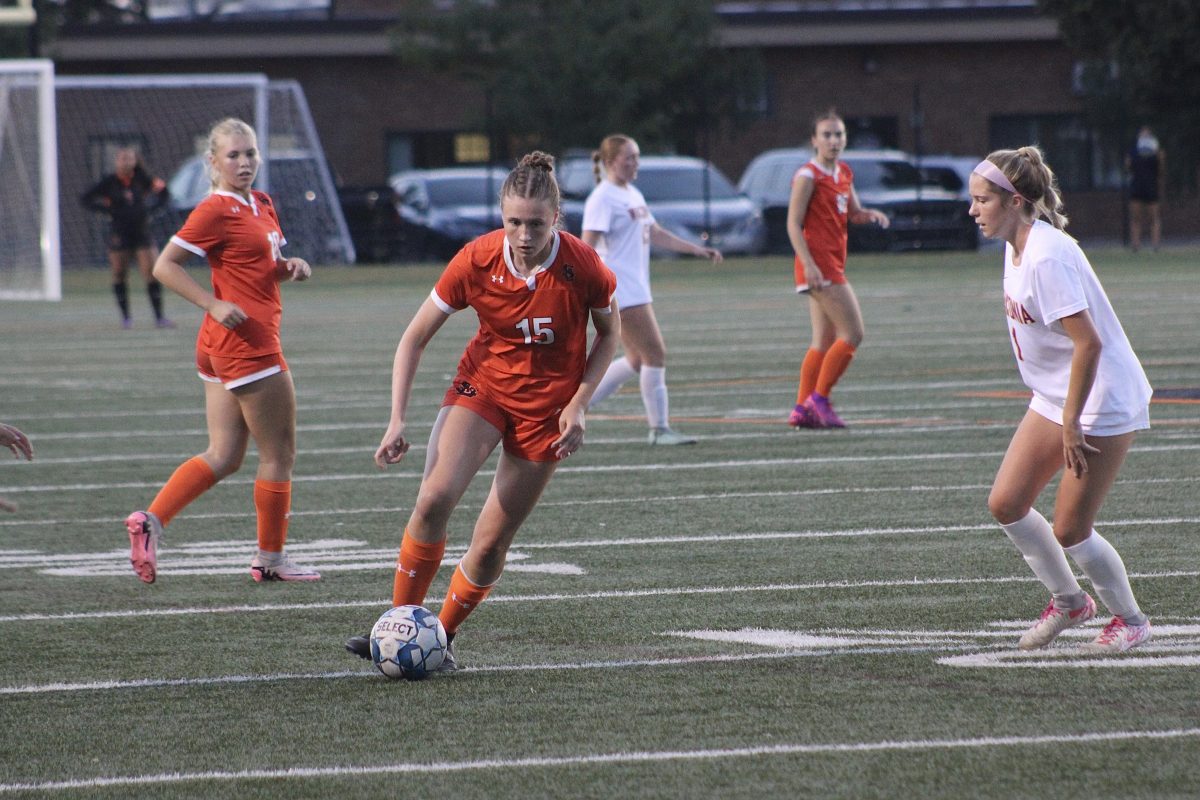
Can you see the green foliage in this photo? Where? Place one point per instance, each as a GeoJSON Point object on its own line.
{"type": "Point", "coordinates": [574, 70]}
{"type": "Point", "coordinates": [1143, 66]}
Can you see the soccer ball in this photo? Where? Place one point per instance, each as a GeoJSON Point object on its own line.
{"type": "Point", "coordinates": [408, 642]}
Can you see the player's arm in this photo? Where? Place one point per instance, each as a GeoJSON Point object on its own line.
{"type": "Point", "coordinates": [663, 238]}
{"type": "Point", "coordinates": [1085, 361]}
{"type": "Point", "coordinates": [802, 192]}
{"type": "Point", "coordinates": [607, 323]}
{"type": "Point", "coordinates": [425, 323]}
{"type": "Point", "coordinates": [861, 216]}
{"type": "Point", "coordinates": [95, 199]}
{"type": "Point", "coordinates": [170, 272]}
{"type": "Point", "coordinates": [292, 269]}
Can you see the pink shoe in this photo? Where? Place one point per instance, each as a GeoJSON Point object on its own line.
{"type": "Point", "coordinates": [1055, 620]}
{"type": "Point", "coordinates": [1119, 636]}
{"type": "Point", "coordinates": [144, 532]}
{"type": "Point", "coordinates": [801, 417]}
{"type": "Point", "coordinates": [821, 410]}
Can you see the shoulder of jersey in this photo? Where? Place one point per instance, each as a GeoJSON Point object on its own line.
{"type": "Point", "coordinates": [483, 251]}
{"type": "Point", "coordinates": [262, 198]}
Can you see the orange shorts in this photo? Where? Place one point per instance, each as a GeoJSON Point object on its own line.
{"type": "Point", "coordinates": [235, 372]}
{"type": "Point", "coordinates": [530, 439]}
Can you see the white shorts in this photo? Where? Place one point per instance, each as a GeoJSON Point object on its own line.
{"type": "Point", "coordinates": [1113, 424]}
{"type": "Point", "coordinates": [632, 293]}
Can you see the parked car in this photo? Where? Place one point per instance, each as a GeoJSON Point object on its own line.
{"type": "Point", "coordinates": [922, 216]}
{"type": "Point", "coordinates": [443, 209]}
{"type": "Point", "coordinates": [952, 173]}
{"type": "Point", "coordinates": [378, 232]}
{"type": "Point", "coordinates": [688, 196]}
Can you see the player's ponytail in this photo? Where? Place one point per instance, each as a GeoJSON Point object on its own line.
{"type": "Point", "coordinates": [610, 148]}
{"type": "Point", "coordinates": [1033, 179]}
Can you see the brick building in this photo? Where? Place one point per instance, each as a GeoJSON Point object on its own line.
{"type": "Point", "coordinates": [939, 76]}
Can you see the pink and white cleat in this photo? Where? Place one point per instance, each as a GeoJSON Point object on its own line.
{"type": "Point", "coordinates": [280, 568]}
{"type": "Point", "coordinates": [144, 532]}
{"type": "Point", "coordinates": [1055, 620]}
{"type": "Point", "coordinates": [1119, 636]}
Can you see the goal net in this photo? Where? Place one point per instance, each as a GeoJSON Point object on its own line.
{"type": "Point", "coordinates": [29, 259]}
{"type": "Point", "coordinates": [167, 119]}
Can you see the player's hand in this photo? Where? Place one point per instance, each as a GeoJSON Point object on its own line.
{"type": "Point", "coordinates": [879, 218]}
{"type": "Point", "coordinates": [712, 254]}
{"type": "Point", "coordinates": [297, 269]}
{"type": "Point", "coordinates": [226, 314]}
{"type": "Point", "coordinates": [813, 277]}
{"type": "Point", "coordinates": [1075, 450]}
{"type": "Point", "coordinates": [570, 427]}
{"type": "Point", "coordinates": [16, 441]}
{"type": "Point", "coordinates": [392, 447]}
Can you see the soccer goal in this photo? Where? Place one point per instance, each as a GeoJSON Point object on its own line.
{"type": "Point", "coordinates": [30, 268]}
{"type": "Point", "coordinates": [167, 118]}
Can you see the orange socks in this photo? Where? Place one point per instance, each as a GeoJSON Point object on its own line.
{"type": "Point", "coordinates": [273, 502]}
{"type": "Point", "coordinates": [461, 600]}
{"type": "Point", "coordinates": [810, 368]}
{"type": "Point", "coordinates": [837, 359]}
{"type": "Point", "coordinates": [193, 478]}
{"type": "Point", "coordinates": [416, 566]}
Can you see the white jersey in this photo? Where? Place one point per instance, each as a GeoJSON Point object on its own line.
{"type": "Point", "coordinates": [621, 214]}
{"type": "Point", "coordinates": [1055, 280]}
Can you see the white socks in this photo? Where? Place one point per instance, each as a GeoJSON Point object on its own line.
{"type": "Point", "coordinates": [1034, 537]}
{"type": "Point", "coordinates": [653, 383]}
{"type": "Point", "coordinates": [654, 395]}
{"type": "Point", "coordinates": [1102, 564]}
{"type": "Point", "coordinates": [617, 373]}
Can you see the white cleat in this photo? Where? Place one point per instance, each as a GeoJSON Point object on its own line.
{"type": "Point", "coordinates": [1055, 620]}
{"type": "Point", "coordinates": [667, 436]}
{"type": "Point", "coordinates": [280, 568]}
{"type": "Point", "coordinates": [1119, 636]}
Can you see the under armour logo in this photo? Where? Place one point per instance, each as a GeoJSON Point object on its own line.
{"type": "Point", "coordinates": [464, 606]}
{"type": "Point", "coordinates": [497, 279]}
{"type": "Point", "coordinates": [412, 573]}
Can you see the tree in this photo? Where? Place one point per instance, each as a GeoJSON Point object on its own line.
{"type": "Point", "coordinates": [564, 73]}
{"type": "Point", "coordinates": [1141, 65]}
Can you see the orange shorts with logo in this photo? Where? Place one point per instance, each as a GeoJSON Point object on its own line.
{"type": "Point", "coordinates": [530, 439]}
{"type": "Point", "coordinates": [235, 372]}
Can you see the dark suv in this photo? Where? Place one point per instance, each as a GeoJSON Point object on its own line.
{"type": "Point", "coordinates": [922, 216]}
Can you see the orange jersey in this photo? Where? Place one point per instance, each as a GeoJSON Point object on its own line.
{"type": "Point", "coordinates": [826, 220]}
{"type": "Point", "coordinates": [531, 348]}
{"type": "Point", "coordinates": [241, 241]}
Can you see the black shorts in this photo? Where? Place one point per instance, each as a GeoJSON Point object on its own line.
{"type": "Point", "coordinates": [128, 239]}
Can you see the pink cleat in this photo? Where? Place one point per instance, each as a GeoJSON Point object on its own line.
{"type": "Point", "coordinates": [280, 568]}
{"type": "Point", "coordinates": [801, 417]}
{"type": "Point", "coordinates": [822, 411]}
{"type": "Point", "coordinates": [1055, 620]}
{"type": "Point", "coordinates": [1119, 636]}
{"type": "Point", "coordinates": [144, 532]}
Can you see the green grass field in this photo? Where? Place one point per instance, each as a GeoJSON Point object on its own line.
{"type": "Point", "coordinates": [767, 614]}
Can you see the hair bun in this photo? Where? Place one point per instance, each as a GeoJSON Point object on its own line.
{"type": "Point", "coordinates": [538, 160]}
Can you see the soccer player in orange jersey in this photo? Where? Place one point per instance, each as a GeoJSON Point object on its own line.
{"type": "Point", "coordinates": [823, 202]}
{"type": "Point", "coordinates": [524, 382]}
{"type": "Point", "coordinates": [248, 391]}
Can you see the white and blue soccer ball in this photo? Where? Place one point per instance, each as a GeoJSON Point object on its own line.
{"type": "Point", "coordinates": [408, 642]}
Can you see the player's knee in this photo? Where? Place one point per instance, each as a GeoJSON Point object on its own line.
{"type": "Point", "coordinates": [223, 464]}
{"type": "Point", "coordinates": [1005, 509]}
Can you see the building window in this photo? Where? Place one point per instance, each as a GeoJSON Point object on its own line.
{"type": "Point", "coordinates": [471, 148]}
{"type": "Point", "coordinates": [1076, 153]}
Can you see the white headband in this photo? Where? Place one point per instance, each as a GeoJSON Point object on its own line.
{"type": "Point", "coordinates": [987, 169]}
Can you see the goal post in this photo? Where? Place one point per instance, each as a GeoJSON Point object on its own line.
{"type": "Point", "coordinates": [30, 265]}
{"type": "Point", "coordinates": [167, 119]}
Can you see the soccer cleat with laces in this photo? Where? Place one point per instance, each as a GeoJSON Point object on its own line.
{"type": "Point", "coordinates": [361, 647]}
{"type": "Point", "coordinates": [1119, 636]}
{"type": "Point", "coordinates": [801, 417]}
{"type": "Point", "coordinates": [144, 532]}
{"type": "Point", "coordinates": [280, 568]}
{"type": "Point", "coordinates": [821, 409]}
{"type": "Point", "coordinates": [1055, 620]}
{"type": "Point", "coordinates": [666, 436]}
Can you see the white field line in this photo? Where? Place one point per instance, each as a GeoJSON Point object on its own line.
{"type": "Point", "coordinates": [592, 469]}
{"type": "Point", "coordinates": [499, 597]}
{"type": "Point", "coordinates": [601, 501]}
{"type": "Point", "coordinates": [614, 759]}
